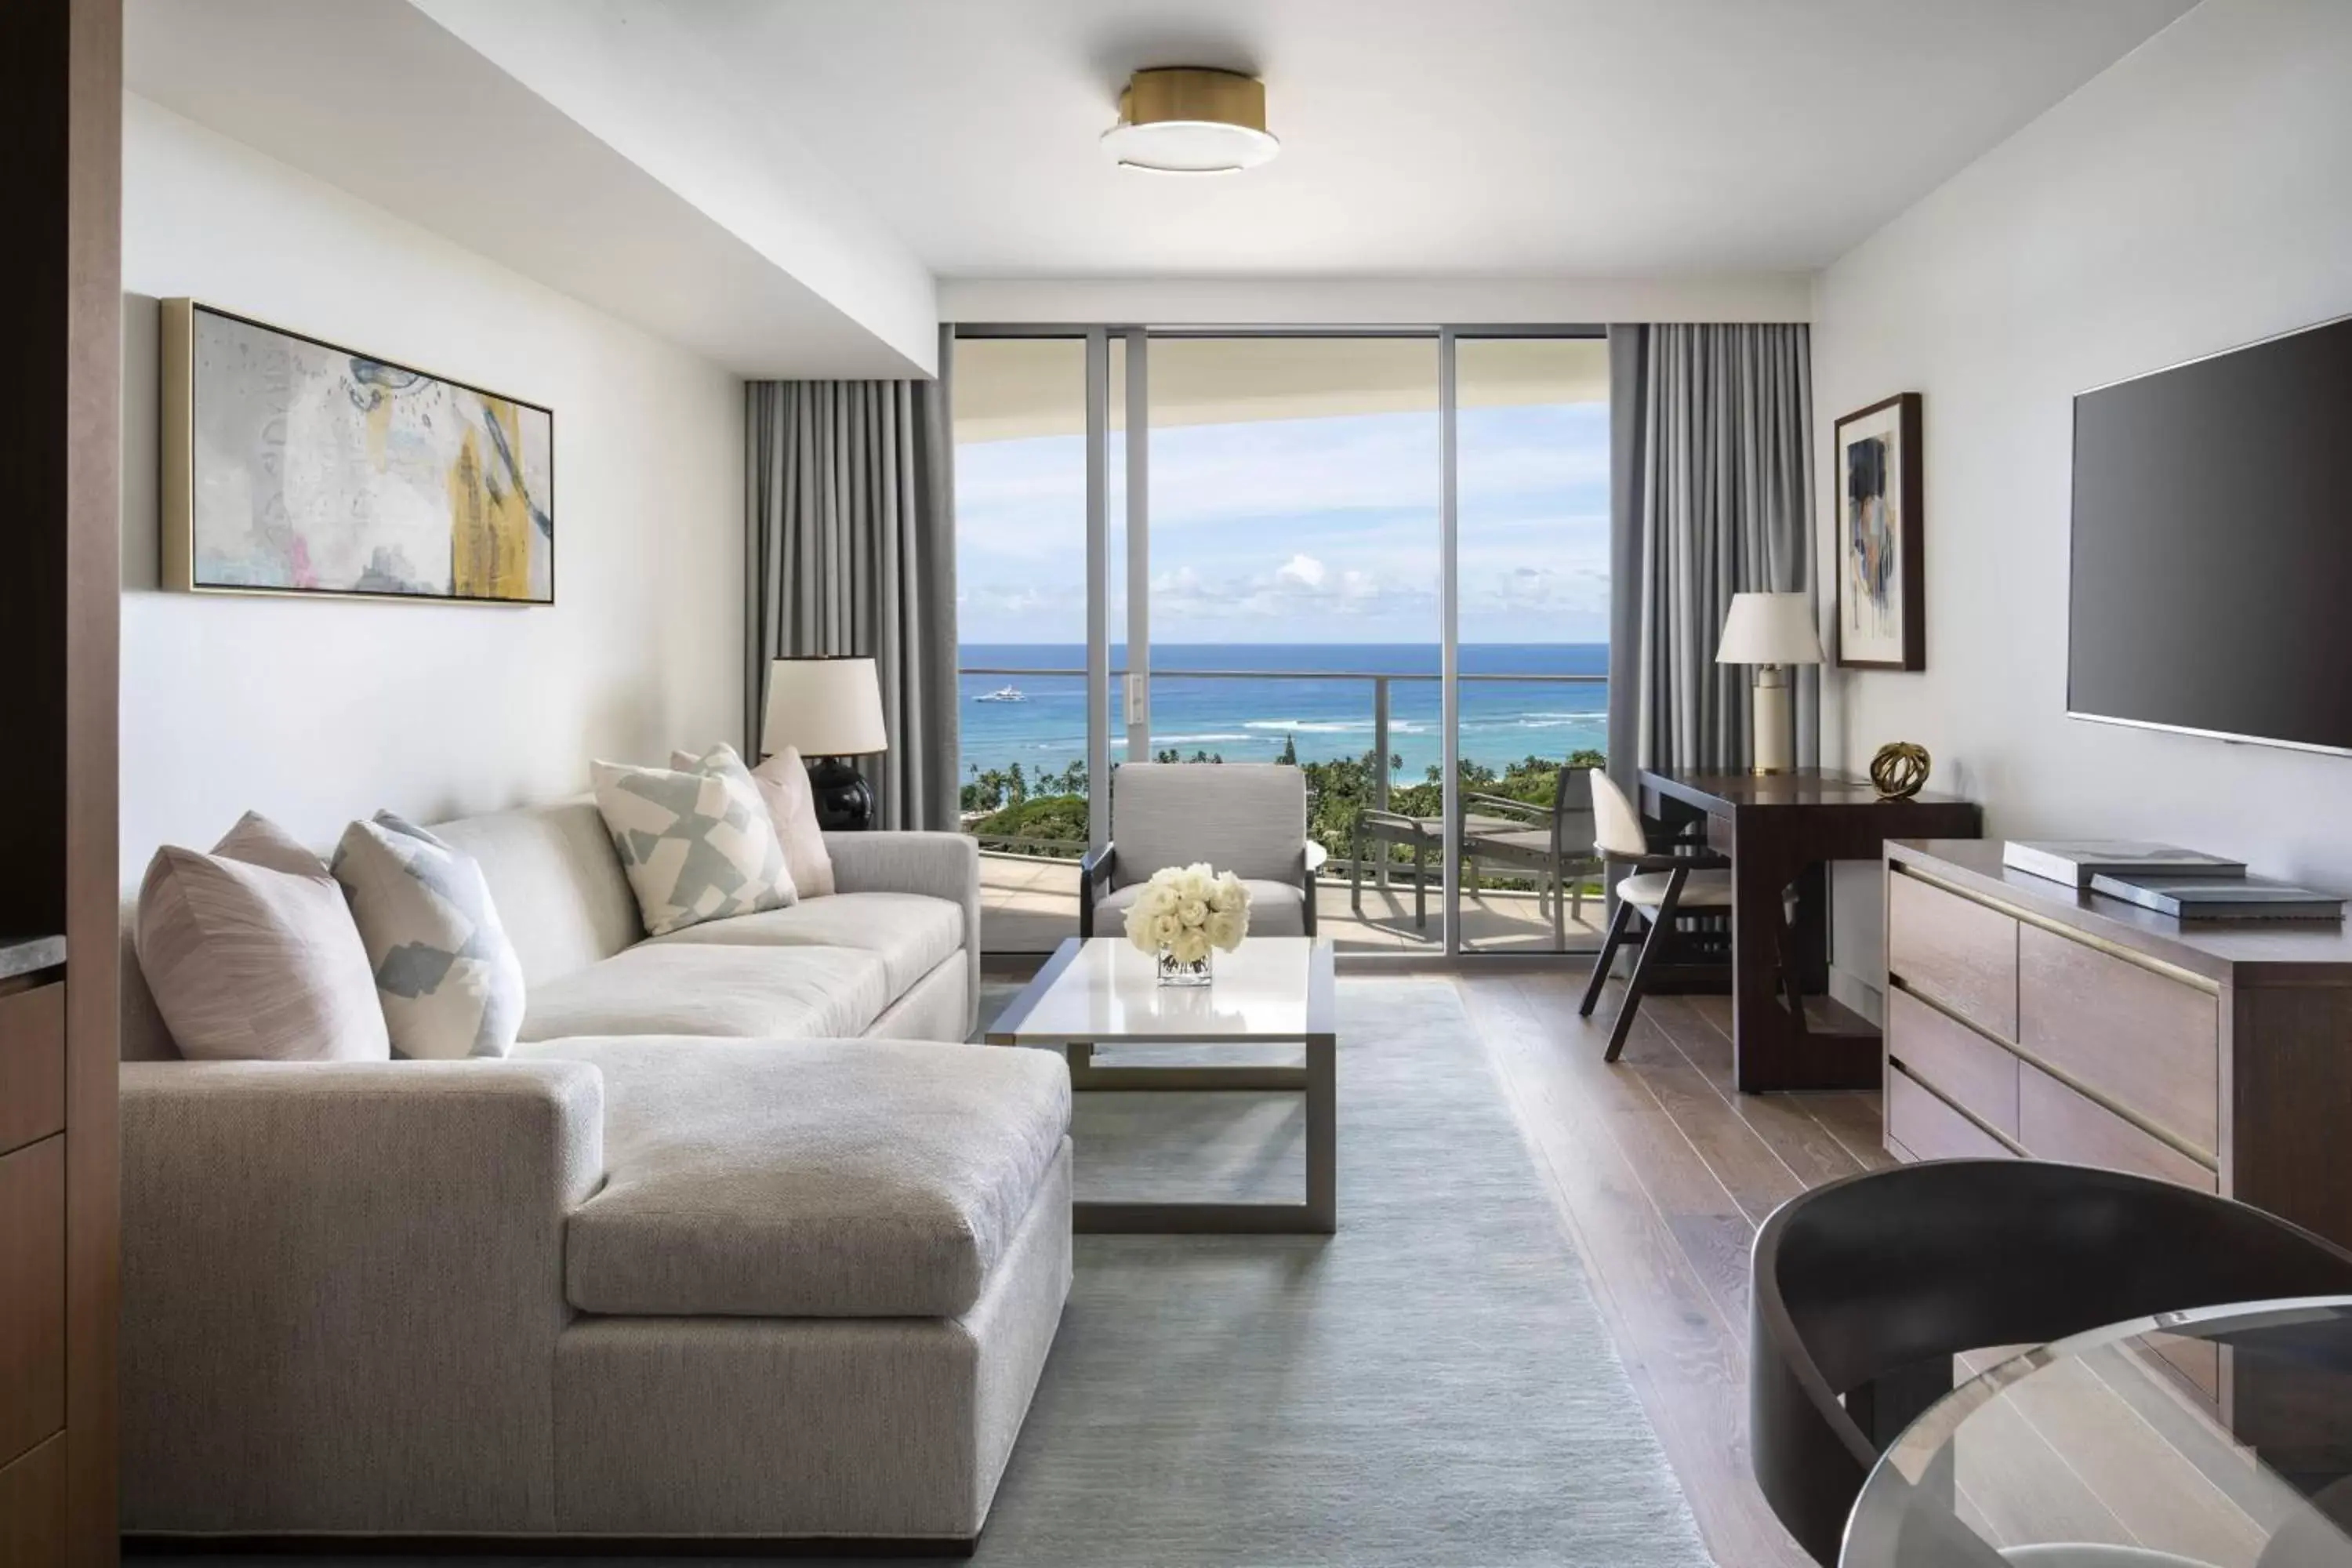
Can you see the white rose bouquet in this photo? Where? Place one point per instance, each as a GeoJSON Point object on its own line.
{"type": "Point", "coordinates": [1183, 912]}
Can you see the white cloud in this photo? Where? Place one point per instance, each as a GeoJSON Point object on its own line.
{"type": "Point", "coordinates": [1303, 570]}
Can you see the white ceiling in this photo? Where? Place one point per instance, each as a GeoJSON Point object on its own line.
{"type": "Point", "coordinates": [778, 183]}
{"type": "Point", "coordinates": [1618, 137]}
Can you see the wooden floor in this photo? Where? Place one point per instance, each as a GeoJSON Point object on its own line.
{"type": "Point", "coordinates": [1663, 1171]}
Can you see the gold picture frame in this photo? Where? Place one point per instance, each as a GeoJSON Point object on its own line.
{"type": "Point", "coordinates": [333, 494]}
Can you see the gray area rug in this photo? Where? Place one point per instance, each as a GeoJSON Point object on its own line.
{"type": "Point", "coordinates": [1431, 1386]}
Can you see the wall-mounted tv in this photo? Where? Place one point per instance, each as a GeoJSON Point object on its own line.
{"type": "Point", "coordinates": [2211, 587]}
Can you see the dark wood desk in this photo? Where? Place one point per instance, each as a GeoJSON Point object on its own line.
{"type": "Point", "coordinates": [1781, 830]}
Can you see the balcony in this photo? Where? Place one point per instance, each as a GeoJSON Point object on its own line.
{"type": "Point", "coordinates": [1029, 848]}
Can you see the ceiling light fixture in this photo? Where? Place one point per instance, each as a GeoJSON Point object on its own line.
{"type": "Point", "coordinates": [1187, 120]}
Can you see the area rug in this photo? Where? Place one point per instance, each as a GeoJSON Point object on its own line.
{"type": "Point", "coordinates": [1432, 1385]}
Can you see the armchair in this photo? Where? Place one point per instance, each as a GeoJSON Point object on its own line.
{"type": "Point", "coordinates": [1249, 818]}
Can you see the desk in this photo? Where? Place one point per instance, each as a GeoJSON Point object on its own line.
{"type": "Point", "coordinates": [1781, 830]}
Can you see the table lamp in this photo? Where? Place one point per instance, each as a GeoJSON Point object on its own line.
{"type": "Point", "coordinates": [830, 706]}
{"type": "Point", "coordinates": [1770, 631]}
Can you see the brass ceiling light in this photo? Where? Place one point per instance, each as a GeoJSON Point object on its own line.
{"type": "Point", "coordinates": [1188, 120]}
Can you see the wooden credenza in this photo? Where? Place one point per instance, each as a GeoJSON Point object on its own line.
{"type": "Point", "coordinates": [2026, 1019]}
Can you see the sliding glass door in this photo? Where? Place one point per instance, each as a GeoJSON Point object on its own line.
{"type": "Point", "coordinates": [1237, 547]}
{"type": "Point", "coordinates": [1293, 543]}
{"type": "Point", "coordinates": [1531, 529]}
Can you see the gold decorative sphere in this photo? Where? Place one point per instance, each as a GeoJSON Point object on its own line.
{"type": "Point", "coordinates": [1899, 770]}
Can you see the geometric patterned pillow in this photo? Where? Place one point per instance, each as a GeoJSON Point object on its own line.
{"type": "Point", "coordinates": [445, 974]}
{"type": "Point", "coordinates": [696, 842]}
{"type": "Point", "coordinates": [783, 783]}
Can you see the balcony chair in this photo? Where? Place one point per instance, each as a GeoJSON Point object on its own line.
{"type": "Point", "coordinates": [1862, 1290]}
{"type": "Point", "coordinates": [1424, 835]}
{"type": "Point", "coordinates": [1249, 818]}
{"type": "Point", "coordinates": [1664, 882]}
{"type": "Point", "coordinates": [1558, 842]}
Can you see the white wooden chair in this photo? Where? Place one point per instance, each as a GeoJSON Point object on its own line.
{"type": "Point", "coordinates": [1663, 884]}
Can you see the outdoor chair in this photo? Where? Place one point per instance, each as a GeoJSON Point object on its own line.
{"type": "Point", "coordinates": [1559, 841]}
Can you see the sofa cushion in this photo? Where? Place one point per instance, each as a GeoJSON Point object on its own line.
{"type": "Point", "coordinates": [912, 934]}
{"type": "Point", "coordinates": [557, 882]}
{"type": "Point", "coordinates": [747, 993]}
{"type": "Point", "coordinates": [808, 1178]}
{"type": "Point", "coordinates": [1277, 908]}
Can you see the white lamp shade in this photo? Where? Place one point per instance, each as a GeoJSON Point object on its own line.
{"type": "Point", "coordinates": [1769, 628]}
{"type": "Point", "coordinates": [826, 707]}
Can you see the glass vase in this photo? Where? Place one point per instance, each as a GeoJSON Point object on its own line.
{"type": "Point", "coordinates": [1174, 971]}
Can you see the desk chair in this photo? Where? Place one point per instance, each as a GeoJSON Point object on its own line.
{"type": "Point", "coordinates": [1663, 884]}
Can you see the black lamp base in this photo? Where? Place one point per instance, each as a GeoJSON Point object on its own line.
{"type": "Point", "coordinates": [844, 801]}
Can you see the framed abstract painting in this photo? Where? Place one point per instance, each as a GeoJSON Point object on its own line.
{"type": "Point", "coordinates": [294, 466]}
{"type": "Point", "coordinates": [1880, 623]}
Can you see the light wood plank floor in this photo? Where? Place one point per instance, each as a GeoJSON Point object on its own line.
{"type": "Point", "coordinates": [1662, 1171]}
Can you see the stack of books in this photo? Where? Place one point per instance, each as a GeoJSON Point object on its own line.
{"type": "Point", "coordinates": [2186, 884]}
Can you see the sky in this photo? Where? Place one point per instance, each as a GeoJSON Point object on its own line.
{"type": "Point", "coordinates": [1302, 530]}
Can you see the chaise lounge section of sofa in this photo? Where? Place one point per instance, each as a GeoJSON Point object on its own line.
{"type": "Point", "coordinates": [723, 1252]}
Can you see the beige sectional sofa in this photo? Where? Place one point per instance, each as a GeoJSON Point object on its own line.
{"type": "Point", "coordinates": [735, 1245]}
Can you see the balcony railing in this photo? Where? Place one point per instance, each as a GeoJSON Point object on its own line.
{"type": "Point", "coordinates": [1382, 681]}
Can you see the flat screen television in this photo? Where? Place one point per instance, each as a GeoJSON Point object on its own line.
{"type": "Point", "coordinates": [2212, 586]}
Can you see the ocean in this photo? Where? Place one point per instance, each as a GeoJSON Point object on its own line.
{"type": "Point", "coordinates": [1250, 720]}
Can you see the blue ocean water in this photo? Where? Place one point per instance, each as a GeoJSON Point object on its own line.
{"type": "Point", "coordinates": [1249, 719]}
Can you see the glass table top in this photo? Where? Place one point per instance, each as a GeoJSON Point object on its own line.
{"type": "Point", "coordinates": [2215, 1439]}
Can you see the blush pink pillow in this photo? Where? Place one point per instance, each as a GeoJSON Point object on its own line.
{"type": "Point", "coordinates": [783, 783]}
{"type": "Point", "coordinates": [252, 954]}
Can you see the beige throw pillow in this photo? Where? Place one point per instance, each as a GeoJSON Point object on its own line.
{"type": "Point", "coordinates": [252, 954]}
{"type": "Point", "coordinates": [696, 842]}
{"type": "Point", "coordinates": [783, 784]}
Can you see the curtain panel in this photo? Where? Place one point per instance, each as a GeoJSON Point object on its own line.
{"type": "Point", "coordinates": [1711, 485]}
{"type": "Point", "coordinates": [849, 548]}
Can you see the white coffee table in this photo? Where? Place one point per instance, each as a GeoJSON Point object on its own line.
{"type": "Point", "coordinates": [1102, 991]}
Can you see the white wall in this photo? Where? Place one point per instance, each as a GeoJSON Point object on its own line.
{"type": "Point", "coordinates": [2195, 196]}
{"type": "Point", "coordinates": [314, 711]}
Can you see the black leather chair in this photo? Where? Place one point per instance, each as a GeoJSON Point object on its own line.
{"type": "Point", "coordinates": [1862, 1290]}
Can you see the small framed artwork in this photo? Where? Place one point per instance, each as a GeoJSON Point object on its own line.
{"type": "Point", "coordinates": [1880, 623]}
{"type": "Point", "coordinates": [294, 466]}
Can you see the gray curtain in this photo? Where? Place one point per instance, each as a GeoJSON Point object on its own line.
{"type": "Point", "coordinates": [850, 549]}
{"type": "Point", "coordinates": [1711, 485]}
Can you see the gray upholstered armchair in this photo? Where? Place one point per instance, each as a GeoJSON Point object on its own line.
{"type": "Point", "coordinates": [1249, 818]}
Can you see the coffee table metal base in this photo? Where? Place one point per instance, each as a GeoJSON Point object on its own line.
{"type": "Point", "coordinates": [1318, 1216]}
